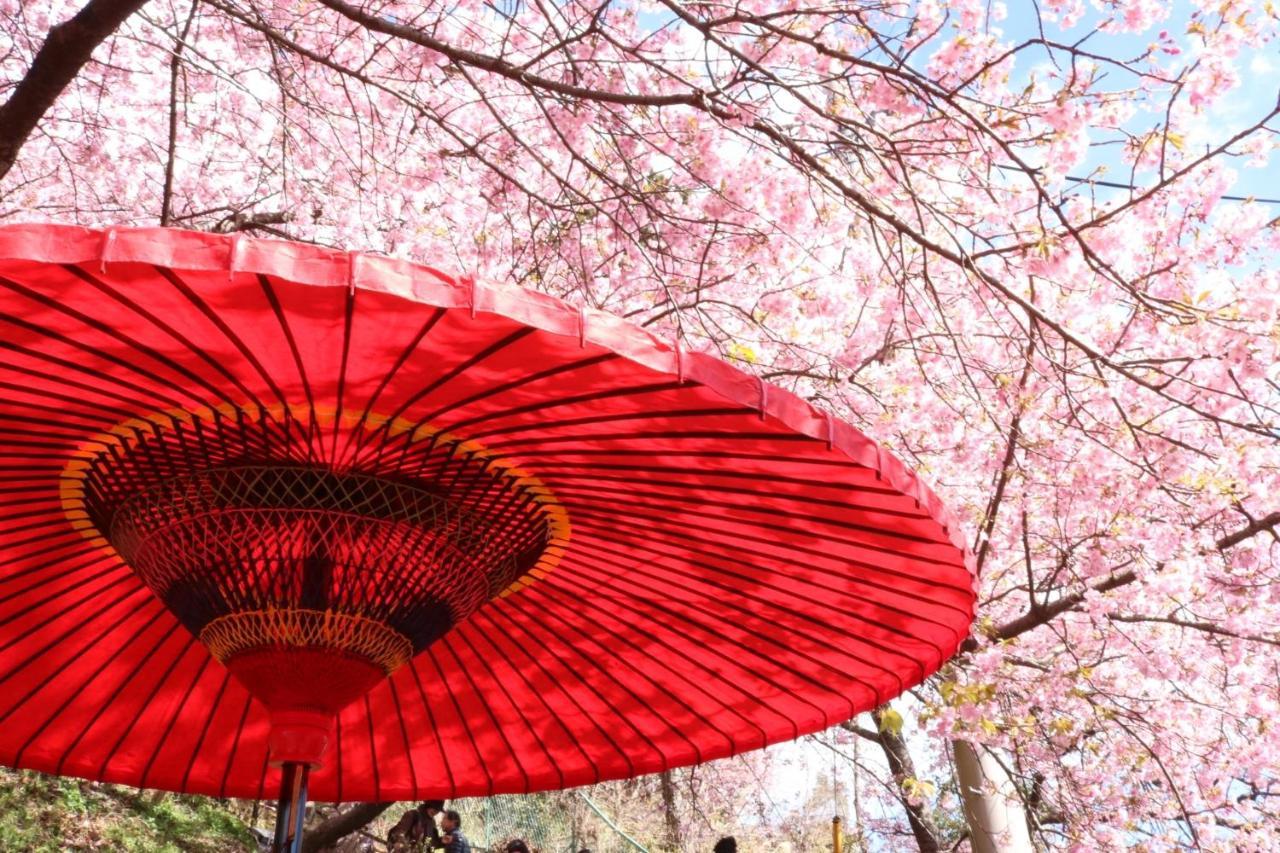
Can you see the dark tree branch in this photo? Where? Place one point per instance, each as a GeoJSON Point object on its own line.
{"type": "Point", "coordinates": [1253, 528]}
{"type": "Point", "coordinates": [65, 51]}
{"type": "Point", "coordinates": [1006, 467]}
{"type": "Point", "coordinates": [503, 68]}
{"type": "Point", "coordinates": [341, 825]}
{"type": "Point", "coordinates": [262, 220]}
{"type": "Point", "coordinates": [175, 68]}
{"type": "Point", "coordinates": [1038, 616]}
{"type": "Point", "coordinates": [902, 768]}
{"type": "Point", "coordinates": [1205, 627]}
{"type": "Point", "coordinates": [1048, 612]}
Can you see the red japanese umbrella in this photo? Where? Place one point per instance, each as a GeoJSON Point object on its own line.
{"type": "Point", "coordinates": [272, 514]}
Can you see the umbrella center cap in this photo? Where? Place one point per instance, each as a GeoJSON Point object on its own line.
{"type": "Point", "coordinates": [312, 559]}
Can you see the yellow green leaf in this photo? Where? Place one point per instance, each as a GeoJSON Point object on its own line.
{"type": "Point", "coordinates": [890, 721]}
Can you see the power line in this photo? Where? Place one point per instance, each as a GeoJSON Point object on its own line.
{"type": "Point", "coordinates": [1120, 186]}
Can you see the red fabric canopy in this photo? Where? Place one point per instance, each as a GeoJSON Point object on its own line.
{"type": "Point", "coordinates": [733, 568]}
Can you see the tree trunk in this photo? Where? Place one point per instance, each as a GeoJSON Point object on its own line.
{"type": "Point", "coordinates": [992, 807]}
{"type": "Point", "coordinates": [669, 810]}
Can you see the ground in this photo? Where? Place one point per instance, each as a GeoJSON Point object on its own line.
{"type": "Point", "coordinates": [43, 813]}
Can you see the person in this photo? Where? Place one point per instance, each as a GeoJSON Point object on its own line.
{"type": "Point", "coordinates": [416, 830]}
{"type": "Point", "coordinates": [728, 844]}
{"type": "Point", "coordinates": [451, 837]}
{"type": "Point", "coordinates": [517, 845]}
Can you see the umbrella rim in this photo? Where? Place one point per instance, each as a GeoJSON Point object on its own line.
{"type": "Point", "coordinates": [319, 266]}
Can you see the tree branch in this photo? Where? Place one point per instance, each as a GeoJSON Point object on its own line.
{"type": "Point", "coordinates": [341, 825]}
{"type": "Point", "coordinates": [1040, 615]}
{"type": "Point", "coordinates": [501, 67]}
{"type": "Point", "coordinates": [175, 68]}
{"type": "Point", "coordinates": [1253, 528]}
{"type": "Point", "coordinates": [65, 51]}
{"type": "Point", "coordinates": [902, 768]}
{"type": "Point", "coordinates": [1048, 612]}
{"type": "Point", "coordinates": [1206, 627]}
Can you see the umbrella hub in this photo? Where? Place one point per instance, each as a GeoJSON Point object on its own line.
{"type": "Point", "coordinates": [314, 562]}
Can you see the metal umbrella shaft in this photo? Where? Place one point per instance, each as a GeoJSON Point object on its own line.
{"type": "Point", "coordinates": [291, 809]}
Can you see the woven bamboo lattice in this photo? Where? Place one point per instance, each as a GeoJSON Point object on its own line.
{"type": "Point", "coordinates": [253, 538]}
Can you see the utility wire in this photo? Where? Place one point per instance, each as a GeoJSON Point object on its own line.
{"type": "Point", "coordinates": [1119, 186]}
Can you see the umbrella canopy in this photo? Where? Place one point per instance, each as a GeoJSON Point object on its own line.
{"type": "Point", "coordinates": [265, 501]}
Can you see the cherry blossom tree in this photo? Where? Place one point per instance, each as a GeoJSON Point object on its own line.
{"type": "Point", "coordinates": [1020, 245]}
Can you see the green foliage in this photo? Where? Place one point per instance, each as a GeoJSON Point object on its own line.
{"type": "Point", "coordinates": [47, 814]}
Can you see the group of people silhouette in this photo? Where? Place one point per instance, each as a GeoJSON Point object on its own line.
{"type": "Point", "coordinates": [417, 832]}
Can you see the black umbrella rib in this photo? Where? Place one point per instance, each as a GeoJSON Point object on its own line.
{"type": "Point", "coordinates": [588, 470]}
{"type": "Point", "coordinates": [532, 444]}
{"type": "Point", "coordinates": [569, 484]}
{"type": "Point", "coordinates": [606, 573]}
{"type": "Point", "coordinates": [527, 637]}
{"type": "Point", "coordinates": [584, 604]}
{"type": "Point", "coordinates": [161, 682]}
{"type": "Point", "coordinates": [164, 739]}
{"type": "Point", "coordinates": [266, 766]}
{"type": "Point", "coordinates": [204, 730]}
{"type": "Point", "coordinates": [630, 508]}
{"type": "Point", "coordinates": [299, 363]}
{"type": "Point", "coordinates": [461, 637]}
{"type": "Point", "coordinates": [110, 413]}
{"type": "Point", "coordinates": [54, 674]}
{"type": "Point", "coordinates": [489, 351]}
{"type": "Point", "coordinates": [711, 619]}
{"type": "Point", "coordinates": [625, 604]}
{"type": "Point", "coordinates": [373, 748]}
{"type": "Point", "coordinates": [465, 424]}
{"type": "Point", "coordinates": [348, 315]}
{"type": "Point", "coordinates": [337, 753]}
{"type": "Point", "coordinates": [494, 629]}
{"type": "Point", "coordinates": [199, 352]}
{"type": "Point", "coordinates": [528, 379]}
{"type": "Point", "coordinates": [487, 705]}
{"type": "Point", "coordinates": [435, 728]}
{"type": "Point", "coordinates": [640, 536]}
{"type": "Point", "coordinates": [594, 662]}
{"type": "Point", "coordinates": [640, 415]}
{"type": "Point", "coordinates": [161, 382]}
{"type": "Point", "coordinates": [785, 595]}
{"type": "Point", "coordinates": [534, 457]}
{"type": "Point", "coordinates": [681, 536]}
{"type": "Point", "coordinates": [404, 733]}
{"type": "Point", "coordinates": [107, 330]}
{"type": "Point", "coordinates": [583, 682]}
{"type": "Point", "coordinates": [67, 367]}
{"type": "Point", "coordinates": [604, 578]}
{"type": "Point", "coordinates": [32, 606]}
{"type": "Point", "coordinates": [235, 748]}
{"type": "Point", "coordinates": [430, 654]}
{"type": "Point", "coordinates": [676, 503]}
{"type": "Point", "coordinates": [221, 325]}
{"type": "Point", "coordinates": [66, 635]}
{"type": "Point", "coordinates": [357, 444]}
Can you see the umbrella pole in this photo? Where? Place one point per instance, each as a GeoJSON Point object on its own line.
{"type": "Point", "coordinates": [291, 808]}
